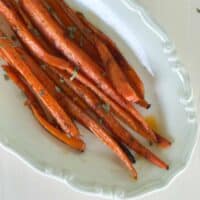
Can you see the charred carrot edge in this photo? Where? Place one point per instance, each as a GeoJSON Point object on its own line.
{"type": "Point", "coordinates": [31, 42]}
{"type": "Point", "coordinates": [131, 74]}
{"type": "Point", "coordinates": [115, 74]}
{"type": "Point", "coordinates": [79, 114]}
{"type": "Point", "coordinates": [100, 133]}
{"type": "Point", "coordinates": [15, 59]}
{"type": "Point", "coordinates": [37, 111]}
{"type": "Point", "coordinates": [85, 120]}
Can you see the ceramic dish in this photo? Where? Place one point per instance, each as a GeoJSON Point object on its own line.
{"type": "Point", "coordinates": [98, 171]}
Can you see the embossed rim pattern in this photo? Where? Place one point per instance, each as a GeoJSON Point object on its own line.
{"type": "Point", "coordinates": [186, 100]}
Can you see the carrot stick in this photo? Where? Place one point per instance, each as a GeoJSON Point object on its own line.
{"type": "Point", "coordinates": [94, 103]}
{"type": "Point", "coordinates": [131, 74]}
{"type": "Point", "coordinates": [114, 72]}
{"type": "Point", "coordinates": [32, 43]}
{"type": "Point", "coordinates": [75, 143]}
{"type": "Point", "coordinates": [68, 17]}
{"type": "Point", "coordinates": [91, 32]}
{"type": "Point", "coordinates": [76, 99]}
{"type": "Point", "coordinates": [72, 30]}
{"type": "Point", "coordinates": [117, 129]}
{"type": "Point", "coordinates": [100, 133]}
{"type": "Point", "coordinates": [15, 59]}
{"type": "Point", "coordinates": [38, 112]}
{"type": "Point", "coordinates": [56, 35]}
{"type": "Point", "coordinates": [79, 114]}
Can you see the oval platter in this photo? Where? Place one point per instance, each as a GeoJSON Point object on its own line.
{"type": "Point", "coordinates": [97, 171]}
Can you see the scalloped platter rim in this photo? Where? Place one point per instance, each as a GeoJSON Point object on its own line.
{"type": "Point", "coordinates": [149, 49]}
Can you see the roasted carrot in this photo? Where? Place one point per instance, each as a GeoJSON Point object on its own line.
{"type": "Point", "coordinates": [56, 36]}
{"type": "Point", "coordinates": [106, 115]}
{"type": "Point", "coordinates": [114, 72]}
{"type": "Point", "coordinates": [32, 43]}
{"type": "Point", "coordinates": [75, 143]}
{"type": "Point", "coordinates": [90, 31]}
{"type": "Point", "coordinates": [78, 113]}
{"type": "Point", "coordinates": [76, 99]}
{"type": "Point", "coordinates": [15, 59]}
{"type": "Point", "coordinates": [69, 17]}
{"type": "Point", "coordinates": [71, 29]}
{"type": "Point", "coordinates": [131, 74]}
{"type": "Point", "coordinates": [100, 133]}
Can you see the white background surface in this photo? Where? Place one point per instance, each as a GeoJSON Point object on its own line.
{"type": "Point", "coordinates": [180, 19]}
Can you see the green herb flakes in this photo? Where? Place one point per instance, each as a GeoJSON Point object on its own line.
{"type": "Point", "coordinates": [58, 90]}
{"type": "Point", "coordinates": [44, 66]}
{"type": "Point", "coordinates": [42, 93]}
{"type": "Point", "coordinates": [6, 77]}
{"type": "Point", "coordinates": [100, 121]}
{"type": "Point", "coordinates": [71, 32]}
{"type": "Point", "coordinates": [106, 107]}
{"type": "Point", "coordinates": [62, 80]}
{"type": "Point", "coordinates": [75, 73]}
{"type": "Point", "coordinates": [13, 38]}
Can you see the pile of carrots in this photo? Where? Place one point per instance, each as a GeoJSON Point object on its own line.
{"type": "Point", "coordinates": [69, 70]}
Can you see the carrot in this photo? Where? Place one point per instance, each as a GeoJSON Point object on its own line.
{"type": "Point", "coordinates": [15, 59]}
{"type": "Point", "coordinates": [71, 29]}
{"type": "Point", "coordinates": [15, 77]}
{"type": "Point", "coordinates": [114, 125]}
{"type": "Point", "coordinates": [38, 112]}
{"type": "Point", "coordinates": [78, 113]}
{"type": "Point", "coordinates": [125, 116]}
{"type": "Point", "coordinates": [32, 43]}
{"type": "Point", "coordinates": [91, 32]}
{"type": "Point", "coordinates": [131, 74]}
{"type": "Point", "coordinates": [114, 72]}
{"type": "Point", "coordinates": [106, 115]}
{"type": "Point", "coordinates": [75, 143]}
{"type": "Point", "coordinates": [56, 35]}
{"type": "Point", "coordinates": [76, 99]}
{"type": "Point", "coordinates": [100, 133]}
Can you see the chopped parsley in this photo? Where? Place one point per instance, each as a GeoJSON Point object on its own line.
{"type": "Point", "coordinates": [42, 93]}
{"type": "Point", "coordinates": [62, 80]}
{"type": "Point", "coordinates": [71, 31]}
{"type": "Point", "coordinates": [58, 90]}
{"type": "Point", "coordinates": [106, 107]}
{"type": "Point", "coordinates": [50, 9]}
{"type": "Point", "coordinates": [75, 73]}
{"type": "Point", "coordinates": [35, 32]}
{"type": "Point", "coordinates": [44, 66]}
{"type": "Point", "coordinates": [100, 121]}
{"type": "Point", "coordinates": [6, 77]}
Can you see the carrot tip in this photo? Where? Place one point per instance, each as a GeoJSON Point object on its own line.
{"type": "Point", "coordinates": [148, 106]}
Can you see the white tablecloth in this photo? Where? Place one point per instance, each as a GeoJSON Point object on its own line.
{"type": "Point", "coordinates": [180, 19]}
